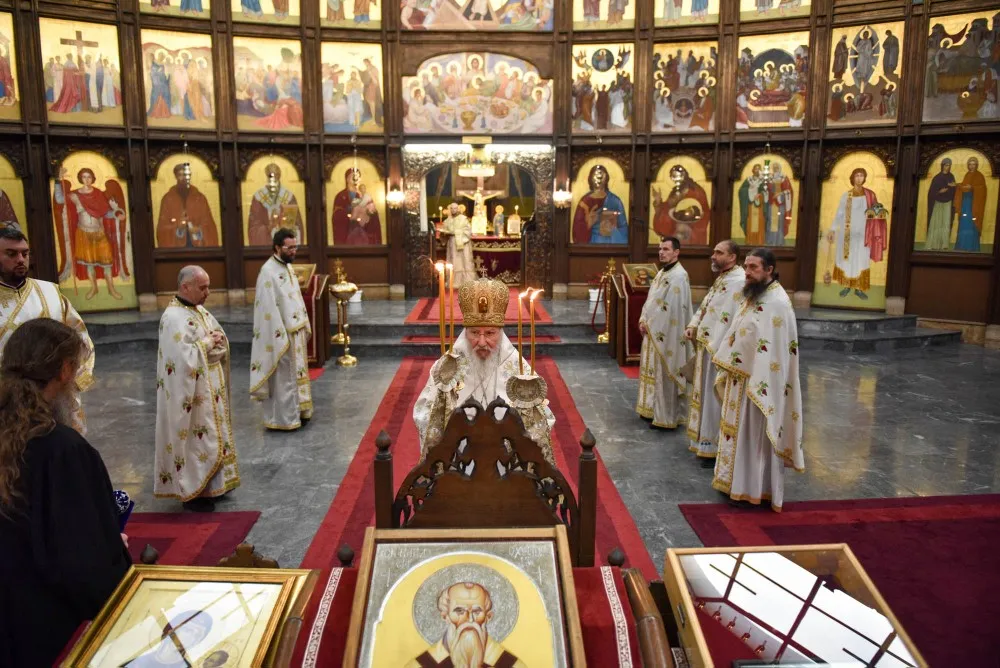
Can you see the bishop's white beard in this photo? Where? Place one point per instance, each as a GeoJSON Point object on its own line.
{"type": "Point", "coordinates": [466, 645]}
{"type": "Point", "coordinates": [484, 377]}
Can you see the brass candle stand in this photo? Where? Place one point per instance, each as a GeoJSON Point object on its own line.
{"type": "Point", "coordinates": [342, 291]}
{"type": "Point", "coordinates": [606, 282]}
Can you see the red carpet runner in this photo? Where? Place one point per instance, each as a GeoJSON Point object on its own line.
{"type": "Point", "coordinates": [188, 539]}
{"type": "Point", "coordinates": [423, 338]}
{"type": "Point", "coordinates": [934, 559]}
{"type": "Point", "coordinates": [427, 312]}
{"type": "Point", "coordinates": [353, 508]}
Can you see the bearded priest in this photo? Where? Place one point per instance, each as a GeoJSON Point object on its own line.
{"type": "Point", "coordinates": [760, 432]}
{"type": "Point", "coordinates": [279, 362]}
{"type": "Point", "coordinates": [665, 351]}
{"type": "Point", "coordinates": [483, 365]}
{"type": "Point", "coordinates": [707, 328]}
{"type": "Point", "coordinates": [195, 457]}
{"type": "Point", "coordinates": [23, 299]}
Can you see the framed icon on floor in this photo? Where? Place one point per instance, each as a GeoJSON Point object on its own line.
{"type": "Point", "coordinates": [441, 596]}
{"type": "Point", "coordinates": [196, 616]}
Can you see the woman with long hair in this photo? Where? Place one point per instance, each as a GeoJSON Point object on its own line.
{"type": "Point", "coordinates": [61, 553]}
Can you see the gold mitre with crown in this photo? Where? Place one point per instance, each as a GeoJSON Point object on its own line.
{"type": "Point", "coordinates": [483, 302]}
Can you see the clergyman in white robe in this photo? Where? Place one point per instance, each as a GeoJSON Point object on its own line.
{"type": "Point", "coordinates": [710, 324]}
{"type": "Point", "coordinates": [41, 299]}
{"type": "Point", "coordinates": [195, 452]}
{"type": "Point", "coordinates": [663, 390]}
{"type": "Point", "coordinates": [458, 230]}
{"type": "Point", "coordinates": [760, 432]}
{"type": "Point", "coordinates": [279, 361]}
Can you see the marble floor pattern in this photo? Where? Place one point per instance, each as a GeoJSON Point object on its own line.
{"type": "Point", "coordinates": [918, 422]}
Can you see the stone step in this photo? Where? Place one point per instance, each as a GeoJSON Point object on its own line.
{"type": "Point", "coordinates": [880, 341]}
{"type": "Point", "coordinates": [829, 321]}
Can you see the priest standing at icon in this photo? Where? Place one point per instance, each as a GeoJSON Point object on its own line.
{"type": "Point", "coordinates": [195, 459]}
{"type": "Point", "coordinates": [479, 367]}
{"type": "Point", "coordinates": [663, 389]}
{"type": "Point", "coordinates": [279, 366]}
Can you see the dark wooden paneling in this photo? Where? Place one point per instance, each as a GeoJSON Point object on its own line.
{"type": "Point", "coordinates": [951, 293]}
{"type": "Point", "coordinates": [586, 268]}
{"type": "Point", "coordinates": [368, 270]}
{"type": "Point", "coordinates": [165, 273]}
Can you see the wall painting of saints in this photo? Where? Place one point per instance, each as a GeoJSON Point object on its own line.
{"type": "Point", "coordinates": [268, 85]}
{"type": "Point", "coordinates": [10, 91]}
{"type": "Point", "coordinates": [684, 82]}
{"type": "Point", "coordinates": [601, 195]}
{"type": "Point", "coordinates": [358, 200]}
{"type": "Point", "coordinates": [279, 12]}
{"type": "Point", "coordinates": [963, 63]}
{"type": "Point", "coordinates": [177, 70]}
{"type": "Point", "coordinates": [186, 204]}
{"type": "Point", "coordinates": [865, 74]}
{"type": "Point", "coordinates": [352, 88]}
{"type": "Point", "coordinates": [12, 212]}
{"type": "Point", "coordinates": [194, 9]}
{"type": "Point", "coordinates": [957, 204]}
{"type": "Point", "coordinates": [671, 13]}
{"type": "Point", "coordinates": [606, 15]}
{"type": "Point", "coordinates": [484, 93]}
{"type": "Point", "coordinates": [765, 203]}
{"type": "Point", "coordinates": [772, 78]}
{"type": "Point", "coordinates": [761, 10]}
{"type": "Point", "coordinates": [468, 15]}
{"type": "Point", "coordinates": [273, 196]}
{"type": "Point", "coordinates": [680, 202]}
{"type": "Point", "coordinates": [93, 234]}
{"type": "Point", "coordinates": [357, 14]}
{"type": "Point", "coordinates": [854, 234]}
{"type": "Point", "coordinates": [86, 72]}
{"type": "Point", "coordinates": [603, 88]}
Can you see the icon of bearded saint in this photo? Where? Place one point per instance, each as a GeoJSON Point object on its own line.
{"type": "Point", "coordinates": [467, 609]}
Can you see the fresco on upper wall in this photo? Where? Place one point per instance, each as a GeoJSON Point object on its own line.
{"type": "Point", "coordinates": [603, 88]}
{"type": "Point", "coordinates": [957, 204]}
{"type": "Point", "coordinates": [601, 196]}
{"type": "Point", "coordinates": [277, 12]}
{"type": "Point", "coordinates": [762, 10]}
{"type": "Point", "coordinates": [963, 63]}
{"type": "Point", "coordinates": [680, 202]}
{"type": "Point", "coordinates": [865, 74]}
{"type": "Point", "coordinates": [194, 9]}
{"type": "Point", "coordinates": [765, 209]}
{"type": "Point", "coordinates": [684, 83]}
{"type": "Point", "coordinates": [268, 85]}
{"type": "Point", "coordinates": [466, 15]}
{"type": "Point", "coordinates": [177, 70]}
{"type": "Point", "coordinates": [606, 15]}
{"type": "Point", "coordinates": [352, 88]}
{"type": "Point", "coordinates": [93, 234]}
{"type": "Point", "coordinates": [10, 91]}
{"type": "Point", "coordinates": [86, 83]}
{"type": "Point", "coordinates": [186, 204]}
{"type": "Point", "coordinates": [273, 197]}
{"type": "Point", "coordinates": [772, 79]}
{"type": "Point", "coordinates": [356, 191]}
{"type": "Point", "coordinates": [685, 12]}
{"type": "Point", "coordinates": [481, 92]}
{"type": "Point", "coordinates": [854, 232]}
{"type": "Point", "coordinates": [364, 14]}
{"type": "Point", "coordinates": [12, 212]}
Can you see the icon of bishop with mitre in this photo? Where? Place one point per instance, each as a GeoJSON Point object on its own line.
{"type": "Point", "coordinates": [483, 365]}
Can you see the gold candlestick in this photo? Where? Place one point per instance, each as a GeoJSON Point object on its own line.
{"type": "Point", "coordinates": [441, 295]}
{"type": "Point", "coordinates": [520, 335]}
{"type": "Point", "coordinates": [531, 300]}
{"type": "Point", "coordinates": [451, 301]}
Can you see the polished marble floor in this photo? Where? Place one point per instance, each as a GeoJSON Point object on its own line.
{"type": "Point", "coordinates": [917, 422]}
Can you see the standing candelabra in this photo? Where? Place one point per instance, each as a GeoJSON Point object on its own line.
{"type": "Point", "coordinates": [342, 291]}
{"type": "Point", "coordinates": [340, 276]}
{"type": "Point", "coordinates": [606, 283]}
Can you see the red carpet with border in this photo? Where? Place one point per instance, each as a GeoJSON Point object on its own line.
{"type": "Point", "coordinates": [188, 539]}
{"type": "Point", "coordinates": [423, 338]}
{"type": "Point", "coordinates": [427, 312]}
{"type": "Point", "coordinates": [353, 508]}
{"type": "Point", "coordinates": [315, 373]}
{"type": "Point", "coordinates": [936, 560]}
{"type": "Point", "coordinates": [632, 371]}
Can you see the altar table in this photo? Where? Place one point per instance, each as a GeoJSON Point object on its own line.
{"type": "Point", "coordinates": [499, 257]}
{"type": "Point", "coordinates": [609, 630]}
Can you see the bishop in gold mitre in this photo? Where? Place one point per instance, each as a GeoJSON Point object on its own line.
{"type": "Point", "coordinates": [483, 365]}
